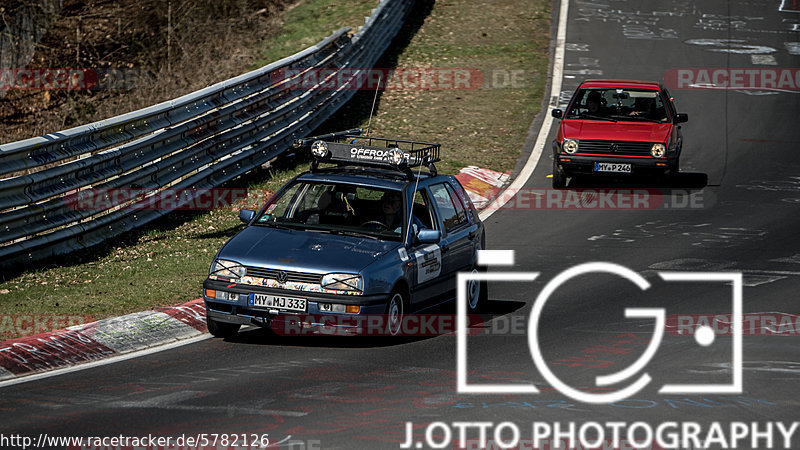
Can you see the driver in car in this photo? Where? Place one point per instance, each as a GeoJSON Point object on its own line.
{"type": "Point", "coordinates": [391, 205]}
{"type": "Point", "coordinates": [392, 213]}
{"type": "Point", "coordinates": [594, 103]}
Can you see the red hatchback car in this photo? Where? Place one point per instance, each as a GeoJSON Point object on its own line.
{"type": "Point", "coordinates": [617, 127]}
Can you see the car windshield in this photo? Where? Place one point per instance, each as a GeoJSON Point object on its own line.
{"type": "Point", "coordinates": [615, 105]}
{"type": "Point", "coordinates": [337, 208]}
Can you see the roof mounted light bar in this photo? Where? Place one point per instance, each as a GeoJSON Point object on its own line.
{"type": "Point", "coordinates": [350, 149]}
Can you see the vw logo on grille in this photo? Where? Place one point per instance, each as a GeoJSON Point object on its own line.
{"type": "Point", "coordinates": [282, 276]}
{"type": "Point", "coordinates": [614, 147]}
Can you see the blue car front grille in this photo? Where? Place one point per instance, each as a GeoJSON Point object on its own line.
{"type": "Point", "coordinates": [274, 274]}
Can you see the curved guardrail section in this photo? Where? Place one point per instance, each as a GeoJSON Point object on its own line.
{"type": "Point", "coordinates": [198, 141]}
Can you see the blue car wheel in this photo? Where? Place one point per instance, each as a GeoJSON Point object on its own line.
{"type": "Point", "coordinates": [394, 313]}
{"type": "Point", "coordinates": [221, 329]}
{"type": "Point", "coordinates": [477, 294]}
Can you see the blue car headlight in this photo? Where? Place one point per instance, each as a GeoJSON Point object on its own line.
{"type": "Point", "coordinates": [342, 282]}
{"type": "Point", "coordinates": [222, 268]}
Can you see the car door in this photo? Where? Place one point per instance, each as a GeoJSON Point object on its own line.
{"type": "Point", "coordinates": [676, 137]}
{"type": "Point", "coordinates": [458, 234]}
{"type": "Point", "coordinates": [426, 267]}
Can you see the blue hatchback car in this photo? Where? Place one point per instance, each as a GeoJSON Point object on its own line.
{"type": "Point", "coordinates": [365, 239]}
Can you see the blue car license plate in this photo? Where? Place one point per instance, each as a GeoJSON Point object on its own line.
{"type": "Point", "coordinates": [277, 302]}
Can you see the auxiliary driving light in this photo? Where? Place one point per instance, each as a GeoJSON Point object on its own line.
{"type": "Point", "coordinates": [396, 157]}
{"type": "Point", "coordinates": [319, 149]}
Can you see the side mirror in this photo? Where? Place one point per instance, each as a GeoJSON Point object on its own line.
{"type": "Point", "coordinates": [681, 117]}
{"type": "Point", "coordinates": [557, 113]}
{"type": "Point", "coordinates": [429, 236]}
{"type": "Point", "coordinates": [246, 215]}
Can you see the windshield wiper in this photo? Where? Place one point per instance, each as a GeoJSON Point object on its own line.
{"type": "Point", "coordinates": [646, 119]}
{"type": "Point", "coordinates": [354, 233]}
{"type": "Point", "coordinates": [283, 226]}
{"type": "Point", "coordinates": [590, 116]}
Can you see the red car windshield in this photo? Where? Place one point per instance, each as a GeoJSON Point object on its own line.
{"type": "Point", "coordinates": [617, 104]}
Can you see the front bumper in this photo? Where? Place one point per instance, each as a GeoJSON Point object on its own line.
{"type": "Point", "coordinates": [313, 321]}
{"type": "Point", "coordinates": [583, 164]}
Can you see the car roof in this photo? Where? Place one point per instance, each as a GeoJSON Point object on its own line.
{"type": "Point", "coordinates": [622, 84]}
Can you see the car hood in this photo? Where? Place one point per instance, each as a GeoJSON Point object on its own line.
{"type": "Point", "coordinates": [303, 251]}
{"type": "Point", "coordinates": [616, 131]}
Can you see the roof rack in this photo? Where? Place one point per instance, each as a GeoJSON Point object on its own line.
{"type": "Point", "coordinates": [350, 148]}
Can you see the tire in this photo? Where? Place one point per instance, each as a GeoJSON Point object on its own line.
{"type": "Point", "coordinates": [674, 170]}
{"type": "Point", "coordinates": [477, 295]}
{"type": "Point", "coordinates": [559, 177]}
{"type": "Point", "coordinates": [395, 311]}
{"type": "Point", "coordinates": [221, 329]}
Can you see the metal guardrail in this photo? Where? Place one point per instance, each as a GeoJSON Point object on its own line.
{"type": "Point", "coordinates": [199, 141]}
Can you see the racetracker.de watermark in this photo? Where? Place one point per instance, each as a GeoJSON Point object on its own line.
{"type": "Point", "coordinates": [66, 79]}
{"type": "Point", "coordinates": [100, 199]}
{"type": "Point", "coordinates": [403, 78]}
{"type": "Point", "coordinates": [378, 325]}
{"type": "Point", "coordinates": [753, 324]}
{"type": "Point", "coordinates": [12, 325]}
{"type": "Point", "coordinates": [595, 199]}
{"type": "Point", "coordinates": [752, 78]}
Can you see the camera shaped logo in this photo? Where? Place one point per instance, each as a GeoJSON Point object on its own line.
{"type": "Point", "coordinates": [704, 336]}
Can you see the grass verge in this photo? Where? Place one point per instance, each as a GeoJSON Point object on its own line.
{"type": "Point", "coordinates": [506, 41]}
{"type": "Point", "coordinates": [311, 21]}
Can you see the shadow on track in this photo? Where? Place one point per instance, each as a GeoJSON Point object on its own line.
{"type": "Point", "coordinates": [682, 181]}
{"type": "Point", "coordinates": [443, 316]}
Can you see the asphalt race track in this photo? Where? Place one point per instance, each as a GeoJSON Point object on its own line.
{"type": "Point", "coordinates": [733, 209]}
